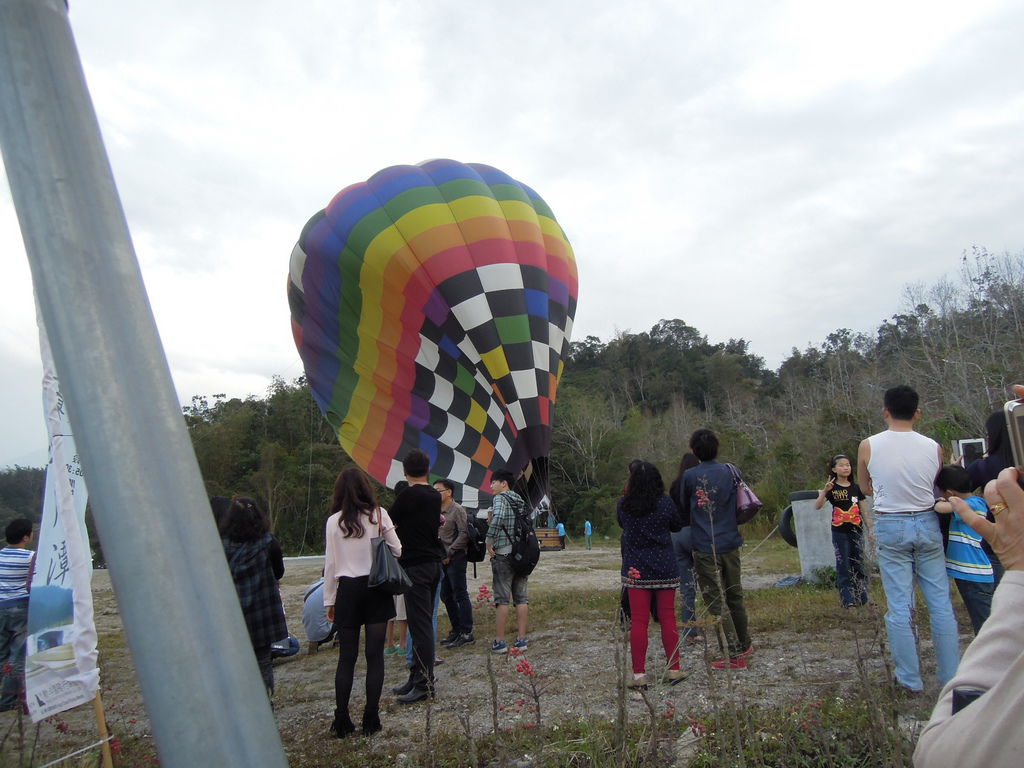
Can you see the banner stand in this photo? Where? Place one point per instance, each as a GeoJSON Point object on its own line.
{"type": "Point", "coordinates": [101, 727]}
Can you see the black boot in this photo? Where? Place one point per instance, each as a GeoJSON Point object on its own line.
{"type": "Point", "coordinates": [371, 722]}
{"type": "Point", "coordinates": [421, 690]}
{"type": "Point", "coordinates": [416, 694]}
{"type": "Point", "coordinates": [404, 688]}
{"type": "Point", "coordinates": [342, 725]}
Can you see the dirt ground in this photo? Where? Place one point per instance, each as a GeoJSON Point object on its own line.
{"type": "Point", "coordinates": [574, 659]}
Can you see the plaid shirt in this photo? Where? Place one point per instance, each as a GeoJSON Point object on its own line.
{"type": "Point", "coordinates": [503, 521]}
{"type": "Point", "coordinates": [258, 593]}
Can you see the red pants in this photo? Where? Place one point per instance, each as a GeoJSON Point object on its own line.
{"type": "Point", "coordinates": [640, 615]}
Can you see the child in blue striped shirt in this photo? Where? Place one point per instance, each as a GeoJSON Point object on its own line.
{"type": "Point", "coordinates": [966, 561]}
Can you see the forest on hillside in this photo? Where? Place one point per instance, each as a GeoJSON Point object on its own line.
{"type": "Point", "coordinates": [959, 341]}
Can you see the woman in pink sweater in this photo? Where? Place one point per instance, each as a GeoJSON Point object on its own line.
{"type": "Point", "coordinates": [350, 604]}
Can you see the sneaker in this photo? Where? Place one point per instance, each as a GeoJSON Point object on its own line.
{"type": "Point", "coordinates": [499, 646]}
{"type": "Point", "coordinates": [520, 643]}
{"type": "Point", "coordinates": [391, 650]}
{"type": "Point", "coordinates": [461, 640]}
{"type": "Point", "coordinates": [733, 662]}
{"type": "Point", "coordinates": [747, 652]}
{"type": "Point", "coordinates": [451, 638]}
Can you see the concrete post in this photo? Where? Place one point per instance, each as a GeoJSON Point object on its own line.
{"type": "Point", "coordinates": [813, 533]}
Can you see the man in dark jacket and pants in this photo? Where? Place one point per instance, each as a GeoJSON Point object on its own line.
{"type": "Point", "coordinates": [709, 493]}
{"type": "Point", "coordinates": [416, 514]}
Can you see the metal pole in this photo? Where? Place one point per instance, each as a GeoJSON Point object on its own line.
{"type": "Point", "coordinates": [192, 654]}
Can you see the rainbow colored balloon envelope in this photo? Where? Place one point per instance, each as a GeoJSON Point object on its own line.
{"type": "Point", "coordinates": [432, 306]}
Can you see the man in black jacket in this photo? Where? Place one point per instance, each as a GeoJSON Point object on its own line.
{"type": "Point", "coordinates": [416, 514]}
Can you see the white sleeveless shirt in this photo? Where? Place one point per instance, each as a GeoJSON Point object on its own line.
{"type": "Point", "coordinates": [903, 466]}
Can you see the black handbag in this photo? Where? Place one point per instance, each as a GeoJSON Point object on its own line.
{"type": "Point", "coordinates": [386, 574]}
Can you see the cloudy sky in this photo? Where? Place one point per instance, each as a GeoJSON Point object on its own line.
{"type": "Point", "coordinates": [772, 171]}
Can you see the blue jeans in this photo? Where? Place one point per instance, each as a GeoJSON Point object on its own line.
{"type": "Point", "coordinates": [687, 586]}
{"type": "Point", "coordinates": [455, 595]}
{"type": "Point", "coordinates": [851, 579]}
{"type": "Point", "coordinates": [13, 634]}
{"type": "Point", "coordinates": [909, 547]}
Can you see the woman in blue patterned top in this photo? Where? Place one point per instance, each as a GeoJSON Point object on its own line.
{"type": "Point", "coordinates": [649, 569]}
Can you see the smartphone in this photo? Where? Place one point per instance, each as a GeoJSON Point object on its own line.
{"type": "Point", "coordinates": [964, 696]}
{"type": "Point", "coordinates": [1014, 411]}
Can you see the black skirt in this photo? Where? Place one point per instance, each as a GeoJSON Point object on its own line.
{"type": "Point", "coordinates": [356, 605]}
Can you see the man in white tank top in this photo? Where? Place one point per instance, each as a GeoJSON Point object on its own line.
{"type": "Point", "coordinates": [898, 468]}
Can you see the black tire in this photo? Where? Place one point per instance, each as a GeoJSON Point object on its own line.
{"type": "Point", "coordinates": [786, 527]}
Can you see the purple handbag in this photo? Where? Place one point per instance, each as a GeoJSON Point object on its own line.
{"type": "Point", "coordinates": [747, 503]}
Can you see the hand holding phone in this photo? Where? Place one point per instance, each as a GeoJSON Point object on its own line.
{"type": "Point", "coordinates": [1014, 411]}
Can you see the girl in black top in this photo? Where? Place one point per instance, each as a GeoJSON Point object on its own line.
{"type": "Point", "coordinates": [845, 497]}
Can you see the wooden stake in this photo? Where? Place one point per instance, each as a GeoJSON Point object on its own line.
{"type": "Point", "coordinates": [101, 726]}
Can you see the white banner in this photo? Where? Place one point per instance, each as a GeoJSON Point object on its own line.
{"type": "Point", "coordinates": [60, 665]}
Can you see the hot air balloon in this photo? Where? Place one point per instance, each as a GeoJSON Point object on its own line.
{"type": "Point", "coordinates": [432, 307]}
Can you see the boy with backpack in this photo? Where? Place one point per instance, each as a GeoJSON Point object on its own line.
{"type": "Point", "coordinates": [511, 551]}
{"type": "Point", "coordinates": [966, 561]}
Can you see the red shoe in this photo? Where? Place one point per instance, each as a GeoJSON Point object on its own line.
{"type": "Point", "coordinates": [747, 652]}
{"type": "Point", "coordinates": [734, 662]}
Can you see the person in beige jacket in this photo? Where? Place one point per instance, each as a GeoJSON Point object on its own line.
{"type": "Point", "coordinates": [986, 730]}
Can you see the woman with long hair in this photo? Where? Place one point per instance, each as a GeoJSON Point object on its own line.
{"type": "Point", "coordinates": [998, 455]}
{"type": "Point", "coordinates": [355, 519]}
{"type": "Point", "coordinates": [683, 546]}
{"type": "Point", "coordinates": [650, 572]}
{"type": "Point", "coordinates": [256, 564]}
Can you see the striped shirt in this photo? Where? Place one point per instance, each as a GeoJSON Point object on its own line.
{"type": "Point", "coordinates": [15, 573]}
{"type": "Point", "coordinates": [965, 559]}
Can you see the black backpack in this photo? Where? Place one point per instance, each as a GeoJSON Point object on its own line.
{"type": "Point", "coordinates": [476, 546]}
{"type": "Point", "coordinates": [525, 547]}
